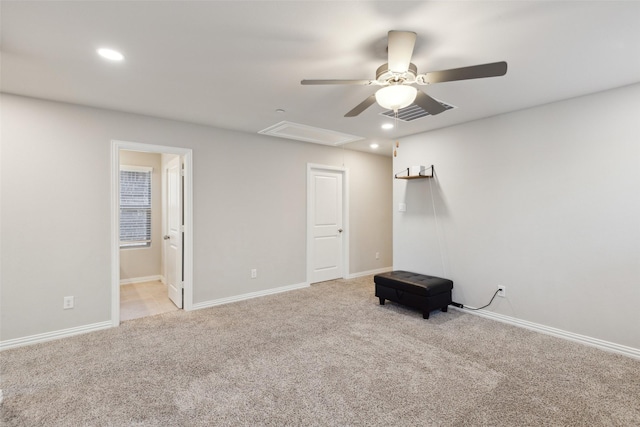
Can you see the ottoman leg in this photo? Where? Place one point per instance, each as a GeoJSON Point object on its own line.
{"type": "Point", "coordinates": [445, 308]}
{"type": "Point", "coordinates": [425, 314]}
{"type": "Point", "coordinates": [381, 300]}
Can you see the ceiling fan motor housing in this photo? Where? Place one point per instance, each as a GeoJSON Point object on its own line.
{"type": "Point", "coordinates": [385, 76]}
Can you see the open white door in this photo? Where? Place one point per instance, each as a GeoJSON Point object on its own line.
{"type": "Point", "coordinates": [173, 236]}
{"type": "Point", "coordinates": [326, 226]}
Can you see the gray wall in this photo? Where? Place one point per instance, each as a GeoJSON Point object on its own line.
{"type": "Point", "coordinates": [545, 201]}
{"type": "Point", "coordinates": [249, 201]}
{"type": "Point", "coordinates": [145, 262]}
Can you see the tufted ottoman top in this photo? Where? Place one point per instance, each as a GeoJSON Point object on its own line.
{"type": "Point", "coordinates": [419, 284]}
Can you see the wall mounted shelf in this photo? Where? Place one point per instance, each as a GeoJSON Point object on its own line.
{"type": "Point", "coordinates": [413, 177]}
{"type": "Point", "coordinates": [406, 173]}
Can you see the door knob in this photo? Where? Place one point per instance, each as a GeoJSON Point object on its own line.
{"type": "Point", "coordinates": [339, 230]}
{"type": "Point", "coordinates": [166, 237]}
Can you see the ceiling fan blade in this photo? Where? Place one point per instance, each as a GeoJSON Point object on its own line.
{"type": "Point", "coordinates": [493, 69]}
{"type": "Point", "coordinates": [428, 104]}
{"type": "Point", "coordinates": [400, 49]}
{"type": "Point", "coordinates": [337, 82]}
{"type": "Point", "coordinates": [362, 106]}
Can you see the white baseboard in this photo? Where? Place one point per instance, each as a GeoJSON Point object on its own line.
{"type": "Point", "coordinates": [141, 279]}
{"type": "Point", "coordinates": [369, 272]}
{"type": "Point", "coordinates": [54, 335]}
{"type": "Point", "coordinates": [583, 339]}
{"type": "Point", "coordinates": [250, 295]}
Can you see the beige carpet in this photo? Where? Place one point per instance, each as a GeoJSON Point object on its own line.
{"type": "Point", "coordinates": [328, 355]}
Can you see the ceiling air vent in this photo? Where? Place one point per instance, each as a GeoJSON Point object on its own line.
{"type": "Point", "coordinates": [308, 134]}
{"type": "Point", "coordinates": [412, 112]}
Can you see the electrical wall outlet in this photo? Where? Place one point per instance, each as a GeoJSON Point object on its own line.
{"type": "Point", "coordinates": [502, 291]}
{"type": "Point", "coordinates": [67, 303]}
{"type": "Point", "coordinates": [254, 273]}
{"type": "Point", "coordinates": [377, 255]}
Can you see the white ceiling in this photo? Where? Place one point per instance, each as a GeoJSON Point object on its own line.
{"type": "Point", "coordinates": [231, 64]}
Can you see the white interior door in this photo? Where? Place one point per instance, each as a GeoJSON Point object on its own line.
{"type": "Point", "coordinates": [173, 236]}
{"type": "Point", "coordinates": [326, 225]}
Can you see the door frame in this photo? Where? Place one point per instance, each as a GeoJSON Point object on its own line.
{"type": "Point", "coordinates": [187, 156]}
{"type": "Point", "coordinates": [312, 167]}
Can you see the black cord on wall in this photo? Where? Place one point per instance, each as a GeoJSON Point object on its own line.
{"type": "Point", "coordinates": [485, 306]}
{"type": "Point", "coordinates": [479, 308]}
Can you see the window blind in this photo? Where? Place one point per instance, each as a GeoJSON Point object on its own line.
{"type": "Point", "coordinates": [135, 206]}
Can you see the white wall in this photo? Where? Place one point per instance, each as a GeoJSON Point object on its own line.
{"type": "Point", "coordinates": [545, 201]}
{"type": "Point", "coordinates": [249, 201]}
{"type": "Point", "coordinates": [145, 262]}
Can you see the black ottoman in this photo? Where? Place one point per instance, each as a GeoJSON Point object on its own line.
{"type": "Point", "coordinates": [420, 291]}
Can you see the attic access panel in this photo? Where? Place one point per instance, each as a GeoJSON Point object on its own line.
{"type": "Point", "coordinates": [306, 133]}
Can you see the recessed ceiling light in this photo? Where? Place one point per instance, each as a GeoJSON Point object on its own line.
{"type": "Point", "coordinates": [387, 126]}
{"type": "Point", "coordinates": [110, 54]}
{"type": "Point", "coordinates": [374, 146]}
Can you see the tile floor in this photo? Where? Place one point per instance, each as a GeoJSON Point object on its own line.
{"type": "Point", "coordinates": [144, 299]}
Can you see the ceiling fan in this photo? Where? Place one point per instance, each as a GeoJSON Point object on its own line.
{"type": "Point", "coordinates": [399, 74]}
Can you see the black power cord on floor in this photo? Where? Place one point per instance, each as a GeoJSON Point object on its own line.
{"type": "Point", "coordinates": [455, 304]}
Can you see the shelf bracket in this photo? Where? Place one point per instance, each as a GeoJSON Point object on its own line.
{"type": "Point", "coordinates": [405, 173]}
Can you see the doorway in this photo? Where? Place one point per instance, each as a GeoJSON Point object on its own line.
{"type": "Point", "coordinates": [143, 286]}
{"type": "Point", "coordinates": [176, 233]}
{"type": "Point", "coordinates": [327, 223]}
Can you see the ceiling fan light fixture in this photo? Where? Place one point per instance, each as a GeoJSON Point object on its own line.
{"type": "Point", "coordinates": [396, 96]}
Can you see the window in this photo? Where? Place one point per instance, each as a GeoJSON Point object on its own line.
{"type": "Point", "coordinates": [135, 206]}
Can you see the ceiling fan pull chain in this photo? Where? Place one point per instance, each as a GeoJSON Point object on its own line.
{"type": "Point", "coordinates": [395, 126]}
